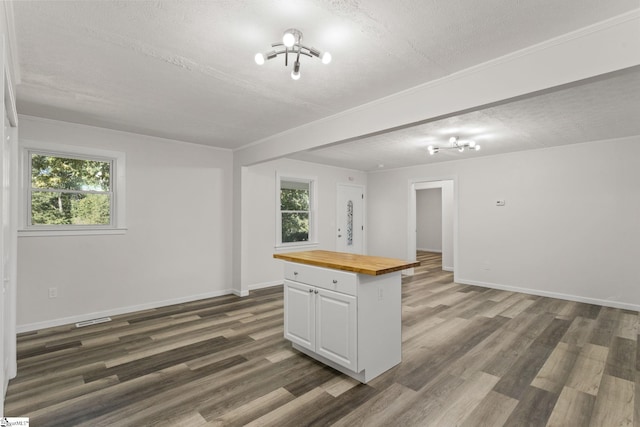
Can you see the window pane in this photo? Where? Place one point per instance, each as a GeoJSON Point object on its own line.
{"type": "Point", "coordinates": [48, 208]}
{"type": "Point", "coordinates": [294, 199]}
{"type": "Point", "coordinates": [295, 227]}
{"type": "Point", "coordinates": [69, 174]}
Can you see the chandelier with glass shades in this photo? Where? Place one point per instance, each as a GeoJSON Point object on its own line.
{"type": "Point", "coordinates": [454, 144]}
{"type": "Point", "coordinates": [291, 45]}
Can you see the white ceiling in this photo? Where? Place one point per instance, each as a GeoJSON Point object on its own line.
{"type": "Point", "coordinates": [184, 69]}
{"type": "Point", "coordinates": [604, 108]}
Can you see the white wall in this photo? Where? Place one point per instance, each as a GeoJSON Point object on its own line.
{"type": "Point", "coordinates": [429, 220]}
{"type": "Point", "coordinates": [259, 267]}
{"type": "Point", "coordinates": [570, 227]}
{"type": "Point", "coordinates": [177, 246]}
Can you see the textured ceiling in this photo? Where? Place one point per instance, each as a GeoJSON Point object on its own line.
{"type": "Point", "coordinates": [604, 108]}
{"type": "Point", "coordinates": [184, 69]}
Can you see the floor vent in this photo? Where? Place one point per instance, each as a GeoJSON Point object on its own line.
{"type": "Point", "coordinates": [93, 322]}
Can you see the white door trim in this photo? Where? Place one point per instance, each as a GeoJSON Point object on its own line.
{"type": "Point", "coordinates": [422, 184]}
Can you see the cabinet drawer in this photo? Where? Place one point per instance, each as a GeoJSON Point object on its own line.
{"type": "Point", "coordinates": [326, 278]}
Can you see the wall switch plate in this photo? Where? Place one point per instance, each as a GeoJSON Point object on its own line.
{"type": "Point", "coordinates": [53, 292]}
{"type": "Point", "coordinates": [500, 203]}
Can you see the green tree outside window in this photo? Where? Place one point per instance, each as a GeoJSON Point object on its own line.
{"type": "Point", "coordinates": [70, 191]}
{"type": "Point", "coordinates": [295, 211]}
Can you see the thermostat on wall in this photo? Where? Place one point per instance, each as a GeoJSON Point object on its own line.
{"type": "Point", "coordinates": [500, 203]}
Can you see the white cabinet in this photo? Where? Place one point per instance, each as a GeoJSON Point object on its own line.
{"type": "Point", "coordinates": [349, 321]}
{"type": "Point", "coordinates": [322, 321]}
{"type": "Point", "coordinates": [299, 315]}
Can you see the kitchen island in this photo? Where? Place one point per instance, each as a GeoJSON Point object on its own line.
{"type": "Point", "coordinates": [345, 309]}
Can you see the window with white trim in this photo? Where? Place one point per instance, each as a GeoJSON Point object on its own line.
{"type": "Point", "coordinates": [72, 191]}
{"type": "Point", "coordinates": [295, 211]}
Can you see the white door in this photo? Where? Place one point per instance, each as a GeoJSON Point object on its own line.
{"type": "Point", "coordinates": [336, 318]}
{"type": "Point", "coordinates": [299, 314]}
{"type": "Point", "coordinates": [350, 219]}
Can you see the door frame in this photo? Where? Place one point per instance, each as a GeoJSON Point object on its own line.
{"type": "Point", "coordinates": [363, 189]}
{"type": "Point", "coordinates": [9, 137]}
{"type": "Point", "coordinates": [423, 184]}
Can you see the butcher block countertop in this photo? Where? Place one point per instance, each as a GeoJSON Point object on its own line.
{"type": "Point", "coordinates": [365, 264]}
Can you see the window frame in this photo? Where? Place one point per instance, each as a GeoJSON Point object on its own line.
{"type": "Point", "coordinates": [313, 223]}
{"type": "Point", "coordinates": [116, 190]}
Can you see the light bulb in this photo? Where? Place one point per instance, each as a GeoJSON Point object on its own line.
{"type": "Point", "coordinates": [453, 139]}
{"type": "Point", "coordinates": [461, 149]}
{"type": "Point", "coordinates": [472, 144]}
{"type": "Point", "coordinates": [477, 148]}
{"type": "Point", "coordinates": [288, 39]}
{"type": "Point", "coordinates": [326, 58]}
{"type": "Point", "coordinates": [295, 74]}
{"type": "Point", "coordinates": [259, 58]}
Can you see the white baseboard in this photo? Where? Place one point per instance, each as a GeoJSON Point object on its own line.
{"type": "Point", "coordinates": [116, 311]}
{"type": "Point", "coordinates": [439, 251]}
{"type": "Point", "coordinates": [265, 285]}
{"type": "Point", "coordinates": [240, 293]}
{"type": "Point", "coordinates": [576, 298]}
{"type": "Point", "coordinates": [447, 268]}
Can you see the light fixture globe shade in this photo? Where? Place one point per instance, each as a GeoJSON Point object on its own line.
{"type": "Point", "coordinates": [476, 147]}
{"type": "Point", "coordinates": [295, 75]}
{"type": "Point", "coordinates": [472, 144]}
{"type": "Point", "coordinates": [288, 39]}
{"type": "Point", "coordinates": [326, 58]}
{"type": "Point", "coordinates": [259, 58]}
{"type": "Point", "coordinates": [453, 139]}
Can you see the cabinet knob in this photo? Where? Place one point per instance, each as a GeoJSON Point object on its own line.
{"type": "Point", "coordinates": [310, 291]}
{"type": "Point", "coordinates": [315, 292]}
{"type": "Point", "coordinates": [295, 273]}
{"type": "Point", "coordinates": [335, 281]}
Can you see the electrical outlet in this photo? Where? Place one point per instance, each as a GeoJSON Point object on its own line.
{"type": "Point", "coordinates": [53, 292]}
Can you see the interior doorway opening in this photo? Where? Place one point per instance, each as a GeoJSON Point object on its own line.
{"type": "Point", "coordinates": [447, 221]}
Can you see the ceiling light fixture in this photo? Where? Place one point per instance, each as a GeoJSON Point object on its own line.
{"type": "Point", "coordinates": [455, 144]}
{"type": "Point", "coordinates": [291, 44]}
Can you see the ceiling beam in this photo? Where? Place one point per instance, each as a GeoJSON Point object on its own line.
{"type": "Point", "coordinates": [598, 49]}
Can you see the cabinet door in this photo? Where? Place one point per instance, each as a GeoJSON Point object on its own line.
{"type": "Point", "coordinates": [336, 328]}
{"type": "Point", "coordinates": [299, 325]}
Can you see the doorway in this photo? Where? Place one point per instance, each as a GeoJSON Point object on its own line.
{"type": "Point", "coordinates": [448, 219]}
{"type": "Point", "coordinates": [350, 219]}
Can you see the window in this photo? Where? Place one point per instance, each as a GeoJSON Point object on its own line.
{"type": "Point", "coordinates": [295, 211]}
{"type": "Point", "coordinates": [73, 191]}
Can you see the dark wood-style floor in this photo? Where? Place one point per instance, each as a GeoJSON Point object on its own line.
{"type": "Point", "coordinates": [471, 356]}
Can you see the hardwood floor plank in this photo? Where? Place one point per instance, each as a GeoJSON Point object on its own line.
{"type": "Point", "coordinates": [293, 412]}
{"type": "Point", "coordinates": [573, 409]}
{"type": "Point", "coordinates": [533, 409]}
{"type": "Point", "coordinates": [378, 408]}
{"type": "Point", "coordinates": [614, 404]}
{"type": "Point", "coordinates": [462, 403]}
{"type": "Point", "coordinates": [554, 373]}
{"type": "Point", "coordinates": [424, 404]}
{"type": "Point", "coordinates": [636, 402]}
{"type": "Point", "coordinates": [187, 389]}
{"type": "Point", "coordinates": [254, 409]}
{"type": "Point", "coordinates": [621, 359]}
{"type": "Point", "coordinates": [588, 369]}
{"type": "Point", "coordinates": [493, 410]}
{"type": "Point", "coordinates": [579, 332]}
{"type": "Point", "coordinates": [516, 381]}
